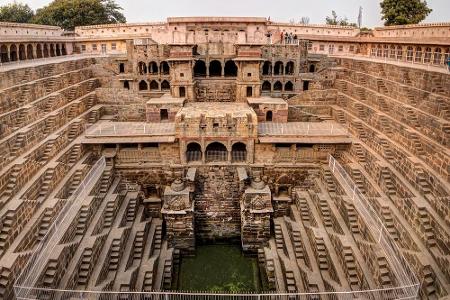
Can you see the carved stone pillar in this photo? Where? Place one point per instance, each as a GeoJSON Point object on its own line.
{"type": "Point", "coordinates": [178, 215]}
{"type": "Point", "coordinates": [256, 210]}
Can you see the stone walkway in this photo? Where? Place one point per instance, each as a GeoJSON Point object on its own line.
{"type": "Point", "coordinates": [434, 68]}
{"type": "Point", "coordinates": [42, 61]}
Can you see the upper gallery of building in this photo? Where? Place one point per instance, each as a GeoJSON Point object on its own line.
{"type": "Point", "coordinates": [25, 41]}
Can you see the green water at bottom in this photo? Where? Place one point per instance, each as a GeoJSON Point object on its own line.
{"type": "Point", "coordinates": [219, 268]}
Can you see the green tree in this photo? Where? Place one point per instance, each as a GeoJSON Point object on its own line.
{"type": "Point", "coordinates": [402, 12]}
{"type": "Point", "coordinates": [70, 13]}
{"type": "Point", "coordinates": [335, 20]}
{"type": "Point", "coordinates": [16, 12]}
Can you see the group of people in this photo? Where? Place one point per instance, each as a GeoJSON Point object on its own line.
{"type": "Point", "coordinates": [289, 38]}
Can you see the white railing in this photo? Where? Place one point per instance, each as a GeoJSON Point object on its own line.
{"type": "Point", "coordinates": [408, 284]}
{"type": "Point", "coordinates": [216, 155]}
{"type": "Point", "coordinates": [49, 294]}
{"type": "Point", "coordinates": [41, 255]}
{"type": "Point", "coordinates": [238, 156]}
{"type": "Point", "coordinates": [52, 59]}
{"type": "Point", "coordinates": [301, 128]}
{"type": "Point", "coordinates": [426, 61]}
{"type": "Point", "coordinates": [130, 129]}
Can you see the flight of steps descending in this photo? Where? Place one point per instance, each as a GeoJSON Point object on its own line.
{"type": "Point", "coordinates": [340, 116]}
{"type": "Point", "coordinates": [11, 185]}
{"type": "Point", "coordinates": [387, 181]}
{"type": "Point", "coordinates": [358, 179]}
{"type": "Point", "coordinates": [389, 222]}
{"type": "Point", "coordinates": [74, 154]}
{"type": "Point", "coordinates": [279, 237]}
{"type": "Point", "coordinates": [49, 124]}
{"type": "Point", "coordinates": [5, 230]}
{"type": "Point", "coordinates": [82, 221]}
{"type": "Point", "coordinates": [93, 116]}
{"type": "Point", "coordinates": [321, 254]}
{"type": "Point", "coordinates": [428, 283]}
{"type": "Point", "coordinates": [167, 275]}
{"type": "Point", "coordinates": [147, 285]}
{"type": "Point", "coordinates": [386, 128]}
{"type": "Point", "coordinates": [48, 150]}
{"type": "Point", "coordinates": [360, 130]}
{"type": "Point", "coordinates": [131, 210]}
{"type": "Point", "coordinates": [352, 219]}
{"type": "Point", "coordinates": [46, 184]}
{"type": "Point", "coordinates": [84, 267]}
{"type": "Point", "coordinates": [109, 214]}
{"type": "Point", "coordinates": [50, 84]}
{"type": "Point", "coordinates": [18, 143]}
{"type": "Point", "coordinates": [381, 86]}
{"type": "Point", "coordinates": [20, 119]}
{"type": "Point", "coordinates": [73, 130]}
{"type": "Point", "coordinates": [417, 145]}
{"type": "Point", "coordinates": [358, 150]}
{"type": "Point", "coordinates": [426, 227]}
{"type": "Point", "coordinates": [158, 238]}
{"type": "Point", "coordinates": [49, 275]}
{"type": "Point", "coordinates": [298, 246]}
{"type": "Point", "coordinates": [422, 182]}
{"type": "Point", "coordinates": [385, 279]}
{"type": "Point", "coordinates": [329, 182]}
{"type": "Point", "coordinates": [411, 118]}
{"type": "Point", "coordinates": [114, 255]}
{"type": "Point", "coordinates": [45, 224]}
{"type": "Point", "coordinates": [350, 265]}
{"type": "Point", "coordinates": [388, 154]}
{"type": "Point", "coordinates": [138, 245]}
{"type": "Point", "coordinates": [325, 211]}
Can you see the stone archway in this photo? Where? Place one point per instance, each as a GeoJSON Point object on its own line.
{"type": "Point", "coordinates": [215, 68]}
{"type": "Point", "coordinates": [216, 152]}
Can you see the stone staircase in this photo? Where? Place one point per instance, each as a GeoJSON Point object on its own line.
{"type": "Point", "coordinates": [426, 227]}
{"type": "Point", "coordinates": [389, 185]}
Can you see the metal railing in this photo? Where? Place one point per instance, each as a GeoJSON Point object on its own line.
{"type": "Point", "coordinates": [301, 128]}
{"type": "Point", "coordinates": [408, 284]}
{"type": "Point", "coordinates": [51, 59]}
{"type": "Point", "coordinates": [216, 155]}
{"type": "Point", "coordinates": [25, 284]}
{"type": "Point", "coordinates": [192, 156]}
{"type": "Point", "coordinates": [49, 294]}
{"type": "Point", "coordinates": [238, 156]}
{"type": "Point", "coordinates": [130, 129]}
{"type": "Point", "coordinates": [426, 60]}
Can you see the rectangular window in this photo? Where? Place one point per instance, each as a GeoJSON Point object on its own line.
{"type": "Point", "coordinates": [249, 74]}
{"type": "Point", "coordinates": [340, 48]}
{"type": "Point", "coordinates": [83, 48]}
{"type": "Point", "coordinates": [249, 91]}
{"type": "Point", "coordinates": [352, 48]}
{"type": "Point", "coordinates": [322, 47]}
{"type": "Point", "coordinates": [310, 46]}
{"type": "Point", "coordinates": [94, 47]}
{"type": "Point", "coordinates": [113, 46]}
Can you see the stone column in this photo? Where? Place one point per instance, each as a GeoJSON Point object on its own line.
{"type": "Point", "coordinates": [178, 215]}
{"type": "Point", "coordinates": [223, 69]}
{"type": "Point", "coordinates": [34, 50]}
{"type": "Point", "coordinates": [8, 52]}
{"type": "Point", "coordinates": [256, 210]}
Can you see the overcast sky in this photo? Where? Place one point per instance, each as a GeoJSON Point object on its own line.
{"type": "Point", "coordinates": [278, 10]}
